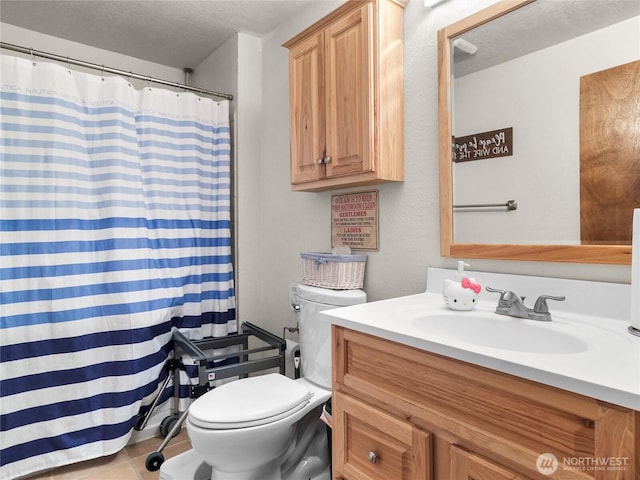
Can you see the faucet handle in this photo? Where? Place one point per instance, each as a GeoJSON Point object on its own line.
{"type": "Point", "coordinates": [541, 303]}
{"type": "Point", "coordinates": [505, 295]}
{"type": "Point", "coordinates": [496, 290]}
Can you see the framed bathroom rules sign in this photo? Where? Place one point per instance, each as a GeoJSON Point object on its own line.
{"type": "Point", "coordinates": [354, 220]}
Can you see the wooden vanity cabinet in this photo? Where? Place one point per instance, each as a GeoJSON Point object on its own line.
{"type": "Point", "coordinates": [379, 445]}
{"type": "Point", "coordinates": [428, 417]}
{"type": "Point", "coordinates": [346, 98]}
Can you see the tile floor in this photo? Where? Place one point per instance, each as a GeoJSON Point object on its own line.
{"type": "Point", "coordinates": [128, 464]}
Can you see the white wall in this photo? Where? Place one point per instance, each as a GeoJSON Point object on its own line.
{"type": "Point", "coordinates": [542, 104]}
{"type": "Point", "coordinates": [237, 67]}
{"type": "Point", "coordinates": [219, 71]}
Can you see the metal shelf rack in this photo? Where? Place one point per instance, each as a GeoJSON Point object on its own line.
{"type": "Point", "coordinates": [271, 346]}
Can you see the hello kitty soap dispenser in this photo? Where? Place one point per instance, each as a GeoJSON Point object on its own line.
{"type": "Point", "coordinates": [463, 292]}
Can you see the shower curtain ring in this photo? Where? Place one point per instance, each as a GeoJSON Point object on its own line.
{"type": "Point", "coordinates": [68, 64]}
{"type": "Point", "coordinates": [33, 57]}
{"type": "Point", "coordinates": [103, 72]}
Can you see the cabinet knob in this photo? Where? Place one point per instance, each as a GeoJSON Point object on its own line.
{"type": "Point", "coordinates": [372, 457]}
{"type": "Point", "coordinates": [320, 161]}
{"type": "Point", "coordinates": [326, 159]}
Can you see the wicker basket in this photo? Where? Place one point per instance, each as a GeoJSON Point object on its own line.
{"type": "Point", "coordinates": [338, 272]}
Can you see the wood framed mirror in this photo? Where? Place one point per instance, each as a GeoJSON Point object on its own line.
{"type": "Point", "coordinates": [565, 248]}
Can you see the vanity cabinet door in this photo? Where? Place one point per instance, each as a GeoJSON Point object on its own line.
{"type": "Point", "coordinates": [373, 445]}
{"type": "Point", "coordinates": [469, 466]}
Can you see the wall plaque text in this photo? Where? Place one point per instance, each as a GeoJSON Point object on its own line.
{"type": "Point", "coordinates": [354, 220]}
{"type": "Point", "coordinates": [496, 143]}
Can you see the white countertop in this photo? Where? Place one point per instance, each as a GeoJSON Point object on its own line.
{"type": "Point", "coordinates": [605, 367]}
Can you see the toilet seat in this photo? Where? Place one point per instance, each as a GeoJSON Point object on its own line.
{"type": "Point", "coordinates": [249, 402]}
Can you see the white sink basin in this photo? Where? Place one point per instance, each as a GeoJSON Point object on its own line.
{"type": "Point", "coordinates": [499, 332]}
{"type": "Point", "coordinates": [585, 349]}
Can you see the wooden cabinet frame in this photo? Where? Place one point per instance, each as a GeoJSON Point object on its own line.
{"type": "Point", "coordinates": [347, 98]}
{"type": "Point", "coordinates": [506, 421]}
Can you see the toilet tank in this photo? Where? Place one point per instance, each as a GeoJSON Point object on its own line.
{"type": "Point", "coordinates": [315, 330]}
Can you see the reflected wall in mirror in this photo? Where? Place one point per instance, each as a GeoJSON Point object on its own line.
{"type": "Point", "coordinates": [521, 65]}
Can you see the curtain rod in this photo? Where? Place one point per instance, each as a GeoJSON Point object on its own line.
{"type": "Point", "coordinates": [102, 68]}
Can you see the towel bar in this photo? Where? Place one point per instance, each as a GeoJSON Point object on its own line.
{"type": "Point", "coordinates": [509, 205]}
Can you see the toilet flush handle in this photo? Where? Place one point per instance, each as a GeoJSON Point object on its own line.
{"type": "Point", "coordinates": [296, 307]}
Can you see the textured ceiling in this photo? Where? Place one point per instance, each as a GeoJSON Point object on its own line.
{"type": "Point", "coordinates": [537, 26]}
{"type": "Point", "coordinates": [178, 33]}
{"type": "Point", "coordinates": [182, 33]}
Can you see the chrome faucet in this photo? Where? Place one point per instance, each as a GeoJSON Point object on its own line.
{"type": "Point", "coordinates": [511, 304]}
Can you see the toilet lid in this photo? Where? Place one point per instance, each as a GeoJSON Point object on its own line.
{"type": "Point", "coordinates": [248, 402]}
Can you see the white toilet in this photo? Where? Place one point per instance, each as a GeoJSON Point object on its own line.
{"type": "Point", "coordinates": [267, 427]}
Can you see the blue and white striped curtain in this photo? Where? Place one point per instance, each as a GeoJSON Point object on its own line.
{"type": "Point", "coordinates": [115, 230]}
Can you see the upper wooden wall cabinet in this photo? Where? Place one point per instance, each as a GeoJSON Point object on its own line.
{"type": "Point", "coordinates": [346, 98]}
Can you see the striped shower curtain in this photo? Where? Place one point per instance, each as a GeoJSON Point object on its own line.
{"type": "Point", "coordinates": [115, 230]}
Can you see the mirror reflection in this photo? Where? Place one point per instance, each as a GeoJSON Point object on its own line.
{"type": "Point", "coordinates": [545, 105]}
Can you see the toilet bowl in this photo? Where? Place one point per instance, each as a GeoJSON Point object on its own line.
{"type": "Point", "coordinates": [268, 427]}
{"type": "Point", "coordinates": [251, 440]}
